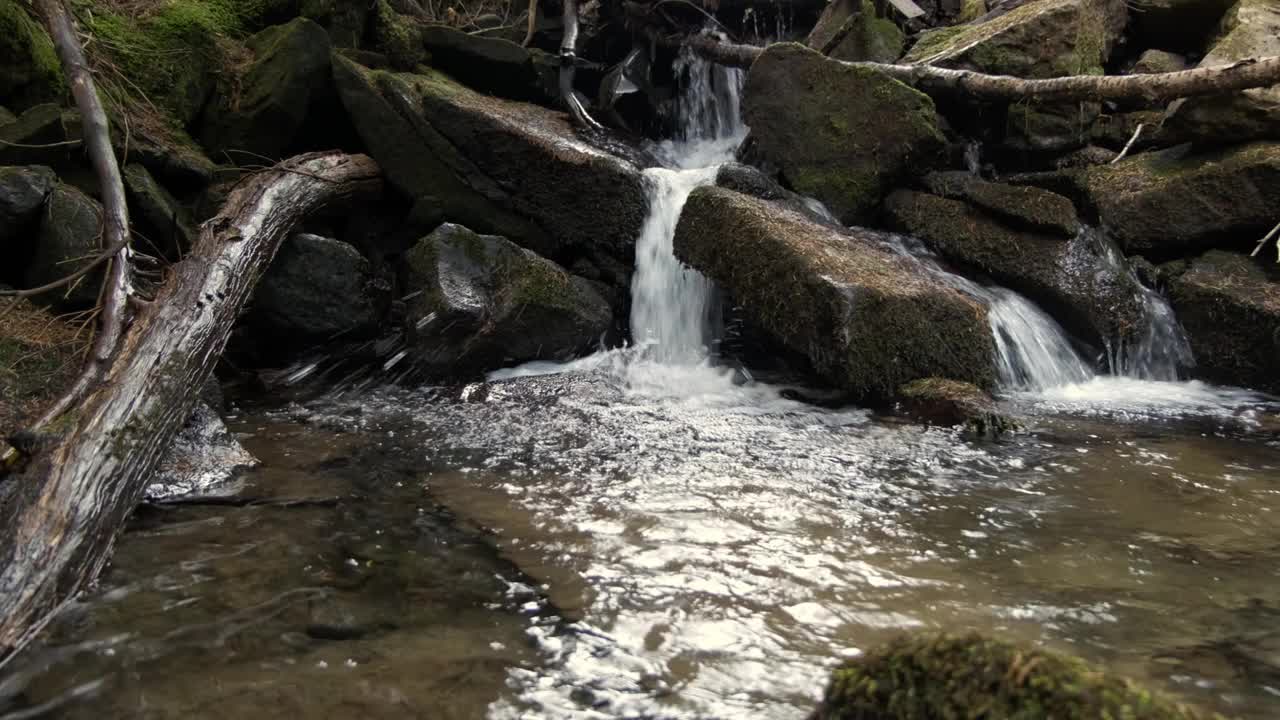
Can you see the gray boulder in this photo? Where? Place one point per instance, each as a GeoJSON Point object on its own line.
{"type": "Point", "coordinates": [498, 166]}
{"type": "Point", "coordinates": [1080, 278]}
{"type": "Point", "coordinates": [35, 137]}
{"type": "Point", "coordinates": [1229, 306]}
{"type": "Point", "coordinates": [204, 455]}
{"type": "Point", "coordinates": [67, 241]}
{"type": "Point", "coordinates": [262, 114]}
{"type": "Point", "coordinates": [1159, 61]}
{"type": "Point", "coordinates": [870, 37]}
{"type": "Point", "coordinates": [839, 133]}
{"type": "Point", "coordinates": [1251, 29]}
{"type": "Point", "coordinates": [491, 65]}
{"type": "Point", "coordinates": [316, 290]}
{"type": "Point", "coordinates": [867, 319]}
{"type": "Point", "coordinates": [480, 302]}
{"type": "Point", "coordinates": [23, 191]}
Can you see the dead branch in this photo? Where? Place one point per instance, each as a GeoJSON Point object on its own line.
{"type": "Point", "coordinates": [1156, 87]}
{"type": "Point", "coordinates": [61, 515]}
{"type": "Point", "coordinates": [97, 139]}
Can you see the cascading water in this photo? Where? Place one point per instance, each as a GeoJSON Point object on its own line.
{"type": "Point", "coordinates": [673, 307]}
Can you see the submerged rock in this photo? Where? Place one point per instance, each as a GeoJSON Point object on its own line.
{"type": "Point", "coordinates": [32, 73]}
{"type": "Point", "coordinates": [316, 289]}
{"type": "Point", "coordinates": [1082, 279]}
{"type": "Point", "coordinates": [204, 455]}
{"type": "Point", "coordinates": [867, 319]}
{"type": "Point", "coordinates": [479, 302]}
{"type": "Point", "coordinates": [68, 240]}
{"type": "Point", "coordinates": [1170, 202]}
{"type": "Point", "coordinates": [1251, 29]}
{"type": "Point", "coordinates": [952, 403]}
{"type": "Point", "coordinates": [925, 676]}
{"type": "Point", "coordinates": [501, 167]}
{"type": "Point", "coordinates": [1229, 306]}
{"type": "Point", "coordinates": [260, 113]}
{"type": "Point", "coordinates": [839, 133]}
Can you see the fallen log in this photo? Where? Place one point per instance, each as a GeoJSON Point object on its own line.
{"type": "Point", "coordinates": [61, 516]}
{"type": "Point", "coordinates": [1151, 88]}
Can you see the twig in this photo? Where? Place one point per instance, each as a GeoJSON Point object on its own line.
{"type": "Point", "coordinates": [1267, 238]}
{"type": "Point", "coordinates": [1129, 145]}
{"type": "Point", "coordinates": [43, 146]}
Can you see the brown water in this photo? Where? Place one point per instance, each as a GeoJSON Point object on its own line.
{"type": "Point", "coordinates": [578, 546]}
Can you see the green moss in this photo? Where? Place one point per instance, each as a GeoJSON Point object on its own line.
{"type": "Point", "coordinates": [397, 36]}
{"type": "Point", "coordinates": [927, 676]}
{"type": "Point", "coordinates": [32, 73]}
{"type": "Point", "coordinates": [932, 42]}
{"type": "Point", "coordinates": [534, 281]}
{"type": "Point", "coordinates": [971, 10]}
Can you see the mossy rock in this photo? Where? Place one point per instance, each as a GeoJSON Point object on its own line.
{"type": "Point", "coordinates": [167, 224]}
{"type": "Point", "coordinates": [344, 21]}
{"type": "Point", "coordinates": [70, 229]}
{"type": "Point", "coordinates": [1251, 29]}
{"type": "Point", "coordinates": [480, 302]}
{"type": "Point", "coordinates": [840, 133]}
{"type": "Point", "coordinates": [256, 115]}
{"type": "Point", "coordinates": [1040, 39]}
{"type": "Point", "coordinates": [1027, 208]}
{"type": "Point", "coordinates": [490, 65]}
{"type": "Point", "coordinates": [952, 403]}
{"type": "Point", "coordinates": [872, 38]}
{"type": "Point", "coordinates": [497, 166]}
{"type": "Point", "coordinates": [1166, 203]}
{"type": "Point", "coordinates": [38, 136]}
{"type": "Point", "coordinates": [1229, 305]}
{"type": "Point", "coordinates": [1159, 61]}
{"type": "Point", "coordinates": [32, 73]}
{"type": "Point", "coordinates": [1082, 280]}
{"type": "Point", "coordinates": [397, 36]}
{"type": "Point", "coordinates": [868, 320]}
{"type": "Point", "coordinates": [930, 676]}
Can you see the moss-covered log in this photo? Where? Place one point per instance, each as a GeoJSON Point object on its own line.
{"type": "Point", "coordinates": [59, 518]}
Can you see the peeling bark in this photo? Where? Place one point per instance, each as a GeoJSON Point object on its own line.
{"type": "Point", "coordinates": [61, 516]}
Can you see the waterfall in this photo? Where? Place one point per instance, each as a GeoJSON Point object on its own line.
{"type": "Point", "coordinates": [673, 307]}
{"type": "Point", "coordinates": [1032, 350]}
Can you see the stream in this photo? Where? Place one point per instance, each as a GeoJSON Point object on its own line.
{"type": "Point", "coordinates": [645, 532]}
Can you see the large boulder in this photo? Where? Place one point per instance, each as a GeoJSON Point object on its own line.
{"type": "Point", "coordinates": [1251, 29]}
{"type": "Point", "coordinates": [68, 240]}
{"type": "Point", "coordinates": [1177, 25]}
{"type": "Point", "coordinates": [929, 675]}
{"type": "Point", "coordinates": [32, 73]}
{"type": "Point", "coordinates": [167, 224]}
{"type": "Point", "coordinates": [344, 21]}
{"type": "Point", "coordinates": [491, 65]}
{"type": "Point", "coordinates": [261, 112]}
{"type": "Point", "coordinates": [868, 320]}
{"type": "Point", "coordinates": [870, 38]}
{"type": "Point", "coordinates": [1229, 306]}
{"type": "Point", "coordinates": [480, 302]}
{"type": "Point", "coordinates": [1039, 39]}
{"type": "Point", "coordinates": [23, 191]}
{"type": "Point", "coordinates": [839, 133]}
{"type": "Point", "coordinates": [1080, 278]}
{"type": "Point", "coordinates": [316, 289]}
{"type": "Point", "coordinates": [1166, 203]}
{"type": "Point", "coordinates": [498, 166]}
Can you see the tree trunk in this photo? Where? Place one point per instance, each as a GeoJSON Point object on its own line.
{"type": "Point", "coordinates": [1152, 88]}
{"type": "Point", "coordinates": [62, 515]}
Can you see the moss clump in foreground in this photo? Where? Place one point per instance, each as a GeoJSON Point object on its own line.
{"type": "Point", "coordinates": [936, 677]}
